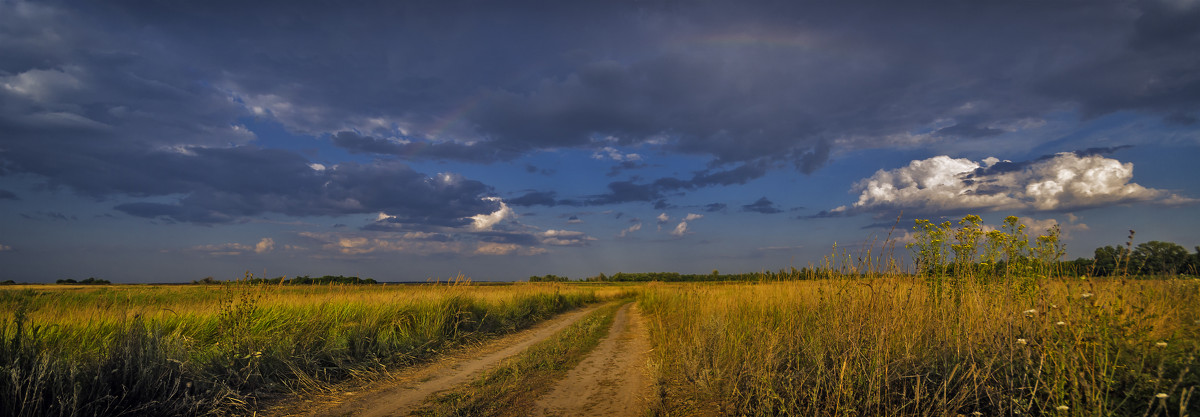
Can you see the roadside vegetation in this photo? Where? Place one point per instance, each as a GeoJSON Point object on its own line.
{"type": "Point", "coordinates": [218, 349]}
{"type": "Point", "coordinates": [991, 324]}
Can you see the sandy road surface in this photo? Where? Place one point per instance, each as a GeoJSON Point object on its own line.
{"type": "Point", "coordinates": [404, 394]}
{"type": "Point", "coordinates": [612, 380]}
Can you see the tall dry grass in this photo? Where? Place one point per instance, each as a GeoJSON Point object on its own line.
{"type": "Point", "coordinates": [184, 350]}
{"type": "Point", "coordinates": [887, 347]}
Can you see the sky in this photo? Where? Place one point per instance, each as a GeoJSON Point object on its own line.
{"type": "Point", "coordinates": [167, 141]}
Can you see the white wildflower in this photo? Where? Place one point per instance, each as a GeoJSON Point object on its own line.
{"type": "Point", "coordinates": [1030, 312]}
{"type": "Point", "coordinates": [1085, 295]}
{"type": "Point", "coordinates": [1021, 341]}
{"type": "Point", "coordinates": [1061, 323]}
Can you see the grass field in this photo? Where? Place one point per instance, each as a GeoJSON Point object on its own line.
{"type": "Point", "coordinates": [866, 346]}
{"type": "Point", "coordinates": [178, 350]}
{"type": "Point", "coordinates": [886, 347]}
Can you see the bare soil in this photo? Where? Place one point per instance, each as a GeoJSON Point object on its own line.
{"type": "Point", "coordinates": [406, 390]}
{"type": "Point", "coordinates": [612, 380]}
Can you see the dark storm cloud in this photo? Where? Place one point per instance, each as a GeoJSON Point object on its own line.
{"type": "Point", "coordinates": [968, 131]}
{"type": "Point", "coordinates": [356, 143]}
{"type": "Point", "coordinates": [630, 191]}
{"type": "Point", "coordinates": [523, 239]}
{"type": "Point", "coordinates": [1108, 150]}
{"type": "Point", "coordinates": [94, 95]}
{"type": "Point", "coordinates": [535, 198]}
{"type": "Point", "coordinates": [655, 191]}
{"type": "Point", "coordinates": [762, 205]}
{"type": "Point", "coordinates": [624, 166]}
{"type": "Point", "coordinates": [127, 113]}
{"type": "Point", "coordinates": [223, 185]}
{"type": "Point", "coordinates": [48, 215]}
{"type": "Point", "coordinates": [1153, 70]}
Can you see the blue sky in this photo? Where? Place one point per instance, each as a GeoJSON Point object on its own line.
{"type": "Point", "coordinates": [146, 141]}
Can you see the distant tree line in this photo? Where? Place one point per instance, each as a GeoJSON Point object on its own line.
{"type": "Point", "coordinates": [300, 280]}
{"type": "Point", "coordinates": [1149, 258]}
{"type": "Point", "coordinates": [548, 278]}
{"type": "Point", "coordinates": [89, 281]}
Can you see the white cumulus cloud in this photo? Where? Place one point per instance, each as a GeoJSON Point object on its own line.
{"type": "Point", "coordinates": [43, 86]}
{"type": "Point", "coordinates": [565, 238]}
{"type": "Point", "coordinates": [265, 245]}
{"type": "Point", "coordinates": [629, 230]}
{"type": "Point", "coordinates": [486, 221]}
{"type": "Point", "coordinates": [680, 229]}
{"type": "Point", "coordinates": [612, 153]}
{"type": "Point", "coordinates": [1065, 181]}
{"type": "Point", "coordinates": [491, 248]}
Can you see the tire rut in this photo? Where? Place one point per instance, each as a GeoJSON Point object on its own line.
{"type": "Point", "coordinates": [612, 380]}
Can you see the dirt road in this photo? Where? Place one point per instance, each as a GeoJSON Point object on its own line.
{"type": "Point", "coordinates": [612, 381]}
{"type": "Point", "coordinates": [406, 392]}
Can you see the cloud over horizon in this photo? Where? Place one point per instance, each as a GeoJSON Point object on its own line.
{"type": "Point", "coordinates": [1061, 182]}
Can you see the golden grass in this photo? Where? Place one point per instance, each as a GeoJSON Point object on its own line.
{"type": "Point", "coordinates": [885, 347]}
{"type": "Point", "coordinates": [76, 350]}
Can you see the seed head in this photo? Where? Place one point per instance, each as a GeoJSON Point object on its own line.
{"type": "Point", "coordinates": [1161, 344]}
{"type": "Point", "coordinates": [1161, 396]}
{"type": "Point", "coordinates": [1030, 312]}
{"type": "Point", "coordinates": [1061, 323]}
{"type": "Point", "coordinates": [1063, 408]}
{"type": "Point", "coordinates": [1085, 295]}
{"type": "Point", "coordinates": [1021, 341]}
